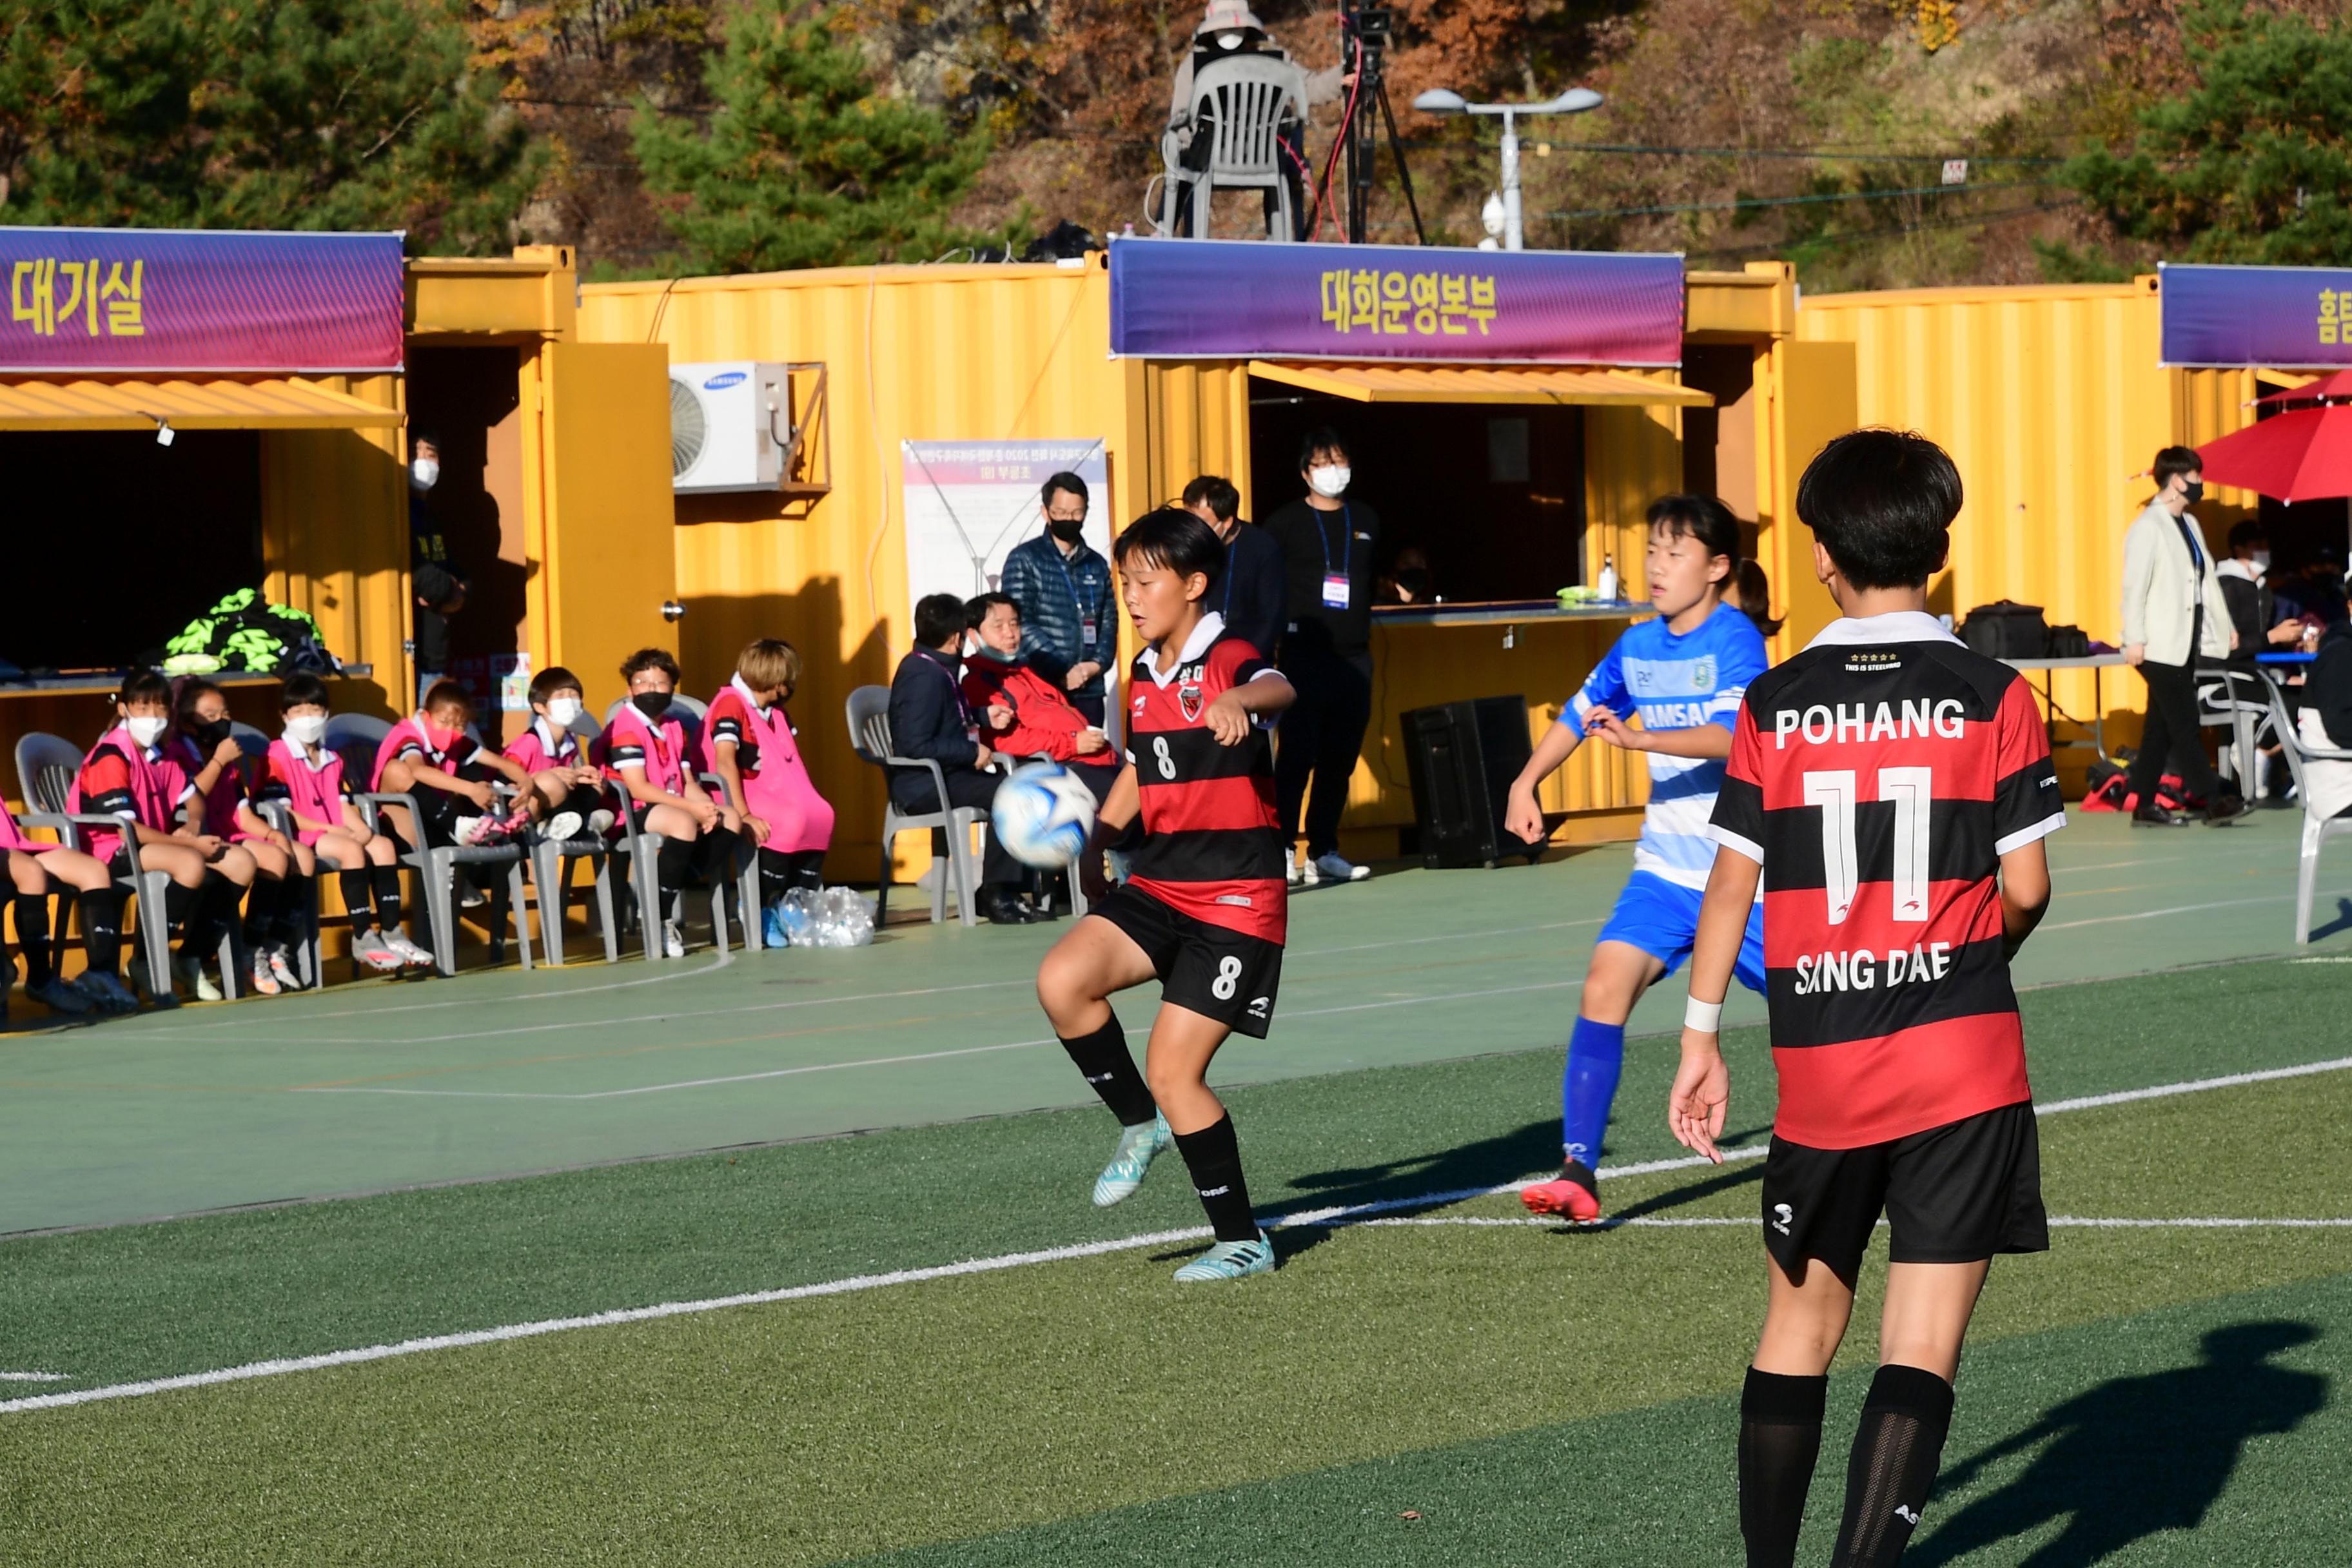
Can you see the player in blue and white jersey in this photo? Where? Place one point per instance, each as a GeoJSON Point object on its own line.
{"type": "Point", "coordinates": [1683, 675]}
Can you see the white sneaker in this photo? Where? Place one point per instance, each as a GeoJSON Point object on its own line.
{"type": "Point", "coordinates": [673, 940]}
{"type": "Point", "coordinates": [410, 953]}
{"type": "Point", "coordinates": [282, 966]}
{"type": "Point", "coordinates": [372, 948]}
{"type": "Point", "coordinates": [1296, 871]}
{"type": "Point", "coordinates": [263, 980]}
{"type": "Point", "coordinates": [468, 830]}
{"type": "Point", "coordinates": [191, 970]}
{"type": "Point", "coordinates": [600, 821]}
{"type": "Point", "coordinates": [562, 827]}
{"type": "Point", "coordinates": [1332, 868]}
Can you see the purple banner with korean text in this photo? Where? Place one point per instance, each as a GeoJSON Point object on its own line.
{"type": "Point", "coordinates": [132, 301]}
{"type": "Point", "coordinates": [1193, 299]}
{"type": "Point", "coordinates": [2239, 317]}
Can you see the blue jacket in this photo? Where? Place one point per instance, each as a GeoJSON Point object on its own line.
{"type": "Point", "coordinates": [1056, 597]}
{"type": "Point", "coordinates": [929, 719]}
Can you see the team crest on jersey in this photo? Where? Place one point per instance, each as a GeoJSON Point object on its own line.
{"type": "Point", "coordinates": [1187, 699]}
{"type": "Point", "coordinates": [1703, 674]}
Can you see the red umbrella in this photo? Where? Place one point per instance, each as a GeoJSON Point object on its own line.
{"type": "Point", "coordinates": [2336, 384]}
{"type": "Point", "coordinates": [2303, 454]}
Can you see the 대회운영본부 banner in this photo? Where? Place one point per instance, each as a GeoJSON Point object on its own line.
{"type": "Point", "coordinates": [1178, 298]}
{"type": "Point", "coordinates": [136, 302]}
{"type": "Point", "coordinates": [2235, 317]}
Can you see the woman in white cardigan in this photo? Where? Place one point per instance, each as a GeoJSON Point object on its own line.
{"type": "Point", "coordinates": [2174, 614]}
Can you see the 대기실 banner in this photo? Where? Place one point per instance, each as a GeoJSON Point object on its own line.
{"type": "Point", "coordinates": [136, 302]}
{"type": "Point", "coordinates": [1191, 299]}
{"type": "Point", "coordinates": [2236, 316]}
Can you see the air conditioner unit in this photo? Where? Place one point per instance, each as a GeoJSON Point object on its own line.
{"type": "Point", "coordinates": [730, 425]}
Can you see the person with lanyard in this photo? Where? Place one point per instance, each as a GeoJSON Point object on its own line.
{"type": "Point", "coordinates": [2173, 614]}
{"type": "Point", "coordinates": [1328, 540]}
{"type": "Point", "coordinates": [1253, 596]}
{"type": "Point", "coordinates": [1069, 618]}
{"type": "Point", "coordinates": [930, 719]}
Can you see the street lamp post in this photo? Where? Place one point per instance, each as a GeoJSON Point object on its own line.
{"type": "Point", "coordinates": [1446, 100]}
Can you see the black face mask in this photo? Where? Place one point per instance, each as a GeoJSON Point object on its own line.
{"type": "Point", "coordinates": [213, 733]}
{"type": "Point", "coordinates": [1068, 533]}
{"type": "Point", "coordinates": [2192, 491]}
{"type": "Point", "coordinates": [652, 704]}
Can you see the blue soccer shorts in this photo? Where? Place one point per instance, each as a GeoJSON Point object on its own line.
{"type": "Point", "coordinates": [1661, 918]}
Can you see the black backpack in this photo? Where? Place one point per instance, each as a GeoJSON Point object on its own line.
{"type": "Point", "coordinates": [2006, 629]}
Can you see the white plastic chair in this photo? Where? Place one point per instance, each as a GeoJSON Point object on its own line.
{"type": "Point", "coordinates": [868, 714]}
{"type": "Point", "coordinates": [2316, 829]}
{"type": "Point", "coordinates": [2232, 697]}
{"type": "Point", "coordinates": [550, 872]}
{"type": "Point", "coordinates": [1241, 104]}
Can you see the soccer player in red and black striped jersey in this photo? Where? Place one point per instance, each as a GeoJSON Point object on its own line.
{"type": "Point", "coordinates": [1203, 907]}
{"type": "Point", "coordinates": [1892, 789]}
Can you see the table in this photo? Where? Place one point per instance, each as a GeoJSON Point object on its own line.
{"type": "Point", "coordinates": [106, 683]}
{"type": "Point", "coordinates": [2098, 726]}
{"type": "Point", "coordinates": [2298, 657]}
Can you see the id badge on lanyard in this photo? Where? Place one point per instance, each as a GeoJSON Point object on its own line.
{"type": "Point", "coordinates": [1334, 590]}
{"type": "Point", "coordinates": [1335, 586]}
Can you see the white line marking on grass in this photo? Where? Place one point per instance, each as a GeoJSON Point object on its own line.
{"type": "Point", "coordinates": [1354, 1214]}
{"type": "Point", "coordinates": [34, 1377]}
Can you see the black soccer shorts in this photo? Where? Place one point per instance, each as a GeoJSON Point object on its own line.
{"type": "Point", "coordinates": [1954, 1193]}
{"type": "Point", "coordinates": [1227, 976]}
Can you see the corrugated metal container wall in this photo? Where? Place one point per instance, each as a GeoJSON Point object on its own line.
{"type": "Point", "coordinates": [2052, 403]}
{"type": "Point", "coordinates": [923, 354]}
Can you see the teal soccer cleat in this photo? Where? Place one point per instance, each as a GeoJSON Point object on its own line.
{"type": "Point", "coordinates": [1138, 1146]}
{"type": "Point", "coordinates": [1230, 1260]}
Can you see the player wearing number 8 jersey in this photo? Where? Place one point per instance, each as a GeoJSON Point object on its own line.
{"type": "Point", "coordinates": [1203, 907]}
{"type": "Point", "coordinates": [1891, 789]}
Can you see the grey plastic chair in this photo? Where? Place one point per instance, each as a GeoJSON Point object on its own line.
{"type": "Point", "coordinates": [642, 848]}
{"type": "Point", "coordinates": [46, 767]}
{"type": "Point", "coordinates": [2316, 829]}
{"type": "Point", "coordinates": [1241, 103]}
{"type": "Point", "coordinates": [869, 713]}
{"type": "Point", "coordinates": [433, 880]}
{"type": "Point", "coordinates": [309, 957]}
{"type": "Point", "coordinates": [550, 872]}
{"type": "Point", "coordinates": [2234, 697]}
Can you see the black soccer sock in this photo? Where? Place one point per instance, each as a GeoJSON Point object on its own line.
{"type": "Point", "coordinates": [775, 876]}
{"type": "Point", "coordinates": [212, 915]}
{"type": "Point", "coordinates": [359, 898]}
{"type": "Point", "coordinates": [808, 869]}
{"type": "Point", "coordinates": [1110, 1071]}
{"type": "Point", "coordinates": [1779, 1438]}
{"type": "Point", "coordinates": [1896, 1451]}
{"type": "Point", "coordinates": [33, 936]}
{"type": "Point", "coordinates": [294, 896]}
{"type": "Point", "coordinates": [1213, 1155]}
{"type": "Point", "coordinates": [261, 907]}
{"type": "Point", "coordinates": [102, 928]}
{"type": "Point", "coordinates": [672, 866]}
{"type": "Point", "coordinates": [387, 896]}
{"type": "Point", "coordinates": [714, 858]}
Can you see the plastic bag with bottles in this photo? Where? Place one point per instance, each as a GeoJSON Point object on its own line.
{"type": "Point", "coordinates": [830, 916]}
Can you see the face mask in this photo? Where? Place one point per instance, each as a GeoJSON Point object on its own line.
{"type": "Point", "coordinates": [1068, 532]}
{"type": "Point", "coordinates": [144, 730]}
{"type": "Point", "coordinates": [2260, 560]}
{"type": "Point", "coordinates": [308, 729]}
{"type": "Point", "coordinates": [439, 739]}
{"type": "Point", "coordinates": [1229, 41]}
{"type": "Point", "coordinates": [564, 711]}
{"type": "Point", "coordinates": [422, 472]}
{"type": "Point", "coordinates": [2193, 492]}
{"type": "Point", "coordinates": [1330, 480]}
{"type": "Point", "coordinates": [652, 704]}
{"type": "Point", "coordinates": [212, 734]}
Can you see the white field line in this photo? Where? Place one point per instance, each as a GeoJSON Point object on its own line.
{"type": "Point", "coordinates": [1324, 1218]}
{"type": "Point", "coordinates": [33, 1377]}
{"type": "Point", "coordinates": [2175, 909]}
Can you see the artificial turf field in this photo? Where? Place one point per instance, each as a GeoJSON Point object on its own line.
{"type": "Point", "coordinates": [958, 1361]}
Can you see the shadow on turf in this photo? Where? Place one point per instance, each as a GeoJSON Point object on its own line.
{"type": "Point", "coordinates": [2135, 1455]}
{"type": "Point", "coordinates": [2342, 921]}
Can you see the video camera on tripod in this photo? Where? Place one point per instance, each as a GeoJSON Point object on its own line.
{"type": "Point", "coordinates": [1365, 31]}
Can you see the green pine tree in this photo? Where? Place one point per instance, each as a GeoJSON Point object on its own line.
{"type": "Point", "coordinates": [804, 162]}
{"type": "Point", "coordinates": [297, 114]}
{"type": "Point", "coordinates": [2255, 164]}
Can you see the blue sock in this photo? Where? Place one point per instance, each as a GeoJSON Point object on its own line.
{"type": "Point", "coordinates": [1595, 1054]}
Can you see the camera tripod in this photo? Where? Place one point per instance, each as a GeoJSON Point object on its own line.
{"type": "Point", "coordinates": [1365, 30]}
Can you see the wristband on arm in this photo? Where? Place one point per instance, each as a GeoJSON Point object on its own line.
{"type": "Point", "coordinates": [1707, 1017]}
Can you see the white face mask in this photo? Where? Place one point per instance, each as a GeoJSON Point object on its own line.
{"type": "Point", "coordinates": [2261, 559]}
{"type": "Point", "coordinates": [564, 711]}
{"type": "Point", "coordinates": [423, 472]}
{"type": "Point", "coordinates": [1330, 480]}
{"type": "Point", "coordinates": [146, 730]}
{"type": "Point", "coordinates": [307, 729]}
{"type": "Point", "coordinates": [1229, 41]}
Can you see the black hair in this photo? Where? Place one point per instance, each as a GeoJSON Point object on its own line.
{"type": "Point", "coordinates": [1702, 518]}
{"type": "Point", "coordinates": [2246, 533]}
{"type": "Point", "coordinates": [1322, 438]}
{"type": "Point", "coordinates": [1065, 480]}
{"type": "Point", "coordinates": [1216, 493]}
{"type": "Point", "coordinates": [444, 694]}
{"type": "Point", "coordinates": [1173, 539]}
{"type": "Point", "coordinates": [1882, 503]}
{"type": "Point", "coordinates": [938, 618]}
{"type": "Point", "coordinates": [1755, 594]}
{"type": "Point", "coordinates": [303, 691]}
{"type": "Point", "coordinates": [975, 610]}
{"type": "Point", "coordinates": [647, 658]}
{"type": "Point", "coordinates": [184, 699]}
{"type": "Point", "coordinates": [550, 680]}
{"type": "Point", "coordinates": [144, 686]}
{"type": "Point", "coordinates": [424, 436]}
{"type": "Point", "coordinates": [2174, 461]}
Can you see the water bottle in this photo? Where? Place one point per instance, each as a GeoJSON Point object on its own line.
{"type": "Point", "coordinates": [1606, 590]}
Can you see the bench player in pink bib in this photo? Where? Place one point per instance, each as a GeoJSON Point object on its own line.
{"type": "Point", "coordinates": [128, 775]}
{"type": "Point", "coordinates": [568, 787]}
{"type": "Point", "coordinates": [37, 870]}
{"type": "Point", "coordinates": [278, 885]}
{"type": "Point", "coordinates": [749, 742]}
{"type": "Point", "coordinates": [645, 752]}
{"type": "Point", "coordinates": [303, 773]}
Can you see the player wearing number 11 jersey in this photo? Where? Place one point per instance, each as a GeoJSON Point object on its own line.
{"type": "Point", "coordinates": [1891, 789]}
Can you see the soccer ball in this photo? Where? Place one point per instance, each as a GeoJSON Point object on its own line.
{"type": "Point", "coordinates": [1043, 815]}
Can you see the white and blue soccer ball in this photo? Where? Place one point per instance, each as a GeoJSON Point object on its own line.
{"type": "Point", "coordinates": [1043, 815]}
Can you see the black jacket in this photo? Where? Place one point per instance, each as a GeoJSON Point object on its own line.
{"type": "Point", "coordinates": [1253, 596]}
{"type": "Point", "coordinates": [2254, 611]}
{"type": "Point", "coordinates": [929, 718]}
{"type": "Point", "coordinates": [1312, 543]}
{"type": "Point", "coordinates": [2328, 687]}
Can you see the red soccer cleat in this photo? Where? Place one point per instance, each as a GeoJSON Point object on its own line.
{"type": "Point", "coordinates": [1571, 1201]}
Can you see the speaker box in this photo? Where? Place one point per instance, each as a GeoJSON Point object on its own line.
{"type": "Point", "coordinates": [1462, 758]}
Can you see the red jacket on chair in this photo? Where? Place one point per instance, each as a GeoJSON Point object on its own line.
{"type": "Point", "coordinates": [1044, 722]}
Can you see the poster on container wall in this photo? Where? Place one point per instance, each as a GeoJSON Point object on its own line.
{"type": "Point", "coordinates": [967, 504]}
